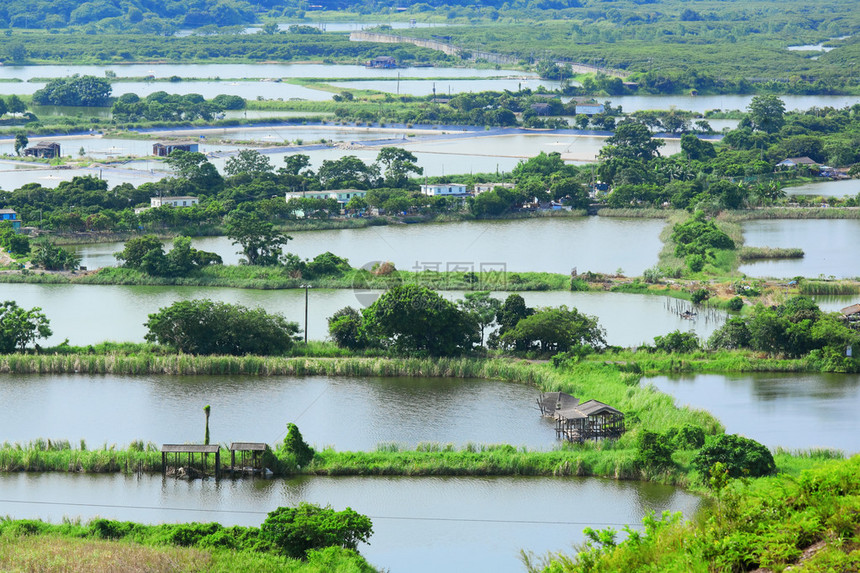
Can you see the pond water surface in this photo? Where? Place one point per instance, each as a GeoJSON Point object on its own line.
{"type": "Point", "coordinates": [629, 319]}
{"type": "Point", "coordinates": [347, 413]}
{"type": "Point", "coordinates": [794, 411]}
{"type": "Point", "coordinates": [829, 246]}
{"type": "Point", "coordinates": [419, 524]}
{"type": "Point", "coordinates": [557, 245]}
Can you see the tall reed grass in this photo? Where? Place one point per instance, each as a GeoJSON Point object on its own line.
{"type": "Point", "coordinates": [828, 288]}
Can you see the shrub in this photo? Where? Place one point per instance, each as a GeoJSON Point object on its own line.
{"type": "Point", "coordinates": [687, 437]}
{"type": "Point", "coordinates": [700, 295]}
{"type": "Point", "coordinates": [208, 327]}
{"type": "Point", "coordinates": [296, 531]}
{"type": "Point", "coordinates": [741, 456]}
{"type": "Point", "coordinates": [677, 341]}
{"type": "Point", "coordinates": [295, 444]}
{"type": "Point", "coordinates": [735, 304]}
{"type": "Point", "coordinates": [653, 451]}
{"type": "Point", "coordinates": [695, 262]}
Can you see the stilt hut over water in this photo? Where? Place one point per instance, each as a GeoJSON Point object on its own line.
{"type": "Point", "coordinates": [250, 457]}
{"type": "Point", "coordinates": [189, 470]}
{"type": "Point", "coordinates": [577, 422]}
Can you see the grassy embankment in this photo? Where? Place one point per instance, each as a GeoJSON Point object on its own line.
{"type": "Point", "coordinates": [103, 545]}
{"type": "Point", "coordinates": [810, 523]}
{"type": "Point", "coordinates": [614, 381]}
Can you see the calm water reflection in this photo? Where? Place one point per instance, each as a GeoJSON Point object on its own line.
{"type": "Point", "coordinates": [420, 524]}
{"type": "Point", "coordinates": [789, 410]}
{"type": "Point", "coordinates": [629, 319]}
{"type": "Point", "coordinates": [551, 245]}
{"type": "Point", "coordinates": [830, 247]}
{"type": "Point", "coordinates": [344, 412]}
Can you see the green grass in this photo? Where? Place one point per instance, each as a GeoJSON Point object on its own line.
{"type": "Point", "coordinates": [760, 253]}
{"type": "Point", "coordinates": [104, 545]}
{"type": "Point", "coordinates": [766, 522]}
{"type": "Point", "coordinates": [828, 288]}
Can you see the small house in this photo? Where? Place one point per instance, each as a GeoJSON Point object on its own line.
{"type": "Point", "coordinates": [382, 62]}
{"type": "Point", "coordinates": [850, 313]}
{"type": "Point", "coordinates": [9, 215]}
{"type": "Point", "coordinates": [589, 108]}
{"type": "Point", "coordinates": [43, 150]}
{"type": "Point", "coordinates": [484, 187]}
{"type": "Point", "coordinates": [793, 162]}
{"type": "Point", "coordinates": [444, 190]}
{"type": "Point", "coordinates": [164, 149]}
{"type": "Point", "coordinates": [155, 202]}
{"type": "Point", "coordinates": [541, 108]}
{"type": "Point", "coordinates": [577, 422]}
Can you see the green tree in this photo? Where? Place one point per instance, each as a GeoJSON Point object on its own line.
{"type": "Point", "coordinates": [555, 330]}
{"type": "Point", "coordinates": [261, 243]}
{"type": "Point", "coordinates": [295, 163]}
{"type": "Point", "coordinates": [412, 318]}
{"type": "Point", "coordinates": [482, 307]}
{"type": "Point", "coordinates": [51, 257]}
{"type": "Point", "coordinates": [677, 341]}
{"type": "Point", "coordinates": [295, 444]}
{"type": "Point", "coordinates": [250, 162]}
{"type": "Point", "coordinates": [208, 327]}
{"type": "Point", "coordinates": [136, 249]}
{"type": "Point", "coordinates": [298, 530]}
{"type": "Point", "coordinates": [398, 164]}
{"type": "Point", "coordinates": [86, 91]}
{"type": "Point", "coordinates": [741, 456]}
{"type": "Point", "coordinates": [654, 451]}
{"type": "Point", "coordinates": [20, 327]}
{"type": "Point", "coordinates": [195, 167]}
{"type": "Point", "coordinates": [21, 141]}
{"type": "Point", "coordinates": [15, 105]}
{"type": "Point", "coordinates": [346, 328]}
{"type": "Point", "coordinates": [348, 172]}
{"type": "Point", "coordinates": [766, 113]}
{"type": "Point", "coordinates": [631, 141]}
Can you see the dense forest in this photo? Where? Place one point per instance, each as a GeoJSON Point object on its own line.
{"type": "Point", "coordinates": [662, 46]}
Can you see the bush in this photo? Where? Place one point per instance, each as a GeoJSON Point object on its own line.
{"type": "Point", "coordinates": [741, 456]}
{"type": "Point", "coordinates": [653, 275]}
{"type": "Point", "coordinates": [687, 437]}
{"type": "Point", "coordinates": [654, 451]}
{"type": "Point", "coordinates": [295, 444]}
{"type": "Point", "coordinates": [677, 341]}
{"type": "Point", "coordinates": [695, 262]}
{"type": "Point", "coordinates": [207, 327]}
{"type": "Point", "coordinates": [735, 304]}
{"type": "Point", "coordinates": [700, 295]}
{"type": "Point", "coordinates": [296, 531]}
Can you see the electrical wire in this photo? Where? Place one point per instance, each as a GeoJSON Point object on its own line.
{"type": "Point", "coordinates": [390, 517]}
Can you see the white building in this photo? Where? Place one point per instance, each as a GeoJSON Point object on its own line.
{"type": "Point", "coordinates": [173, 201]}
{"type": "Point", "coordinates": [484, 187]}
{"type": "Point", "coordinates": [444, 190]}
{"type": "Point", "coordinates": [342, 196]}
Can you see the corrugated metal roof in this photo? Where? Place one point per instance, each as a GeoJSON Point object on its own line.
{"type": "Point", "coordinates": [190, 448]}
{"type": "Point", "coordinates": [248, 446]}
{"type": "Point", "coordinates": [851, 310]}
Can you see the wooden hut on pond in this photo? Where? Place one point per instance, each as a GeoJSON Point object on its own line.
{"type": "Point", "coordinates": [577, 422]}
{"type": "Point", "coordinates": [250, 457]}
{"type": "Point", "coordinates": [192, 468]}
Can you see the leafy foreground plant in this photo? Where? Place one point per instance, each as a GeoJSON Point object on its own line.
{"type": "Point", "coordinates": [323, 538]}
{"type": "Point", "coordinates": [811, 523]}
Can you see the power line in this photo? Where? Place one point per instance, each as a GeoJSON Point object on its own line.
{"type": "Point", "coordinates": [390, 517]}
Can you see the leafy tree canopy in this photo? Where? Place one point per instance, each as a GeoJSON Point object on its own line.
{"type": "Point", "coordinates": [20, 327]}
{"type": "Point", "coordinates": [208, 327]}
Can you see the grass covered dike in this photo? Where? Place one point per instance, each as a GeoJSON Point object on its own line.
{"type": "Point", "coordinates": [769, 521]}
{"type": "Point", "coordinates": [614, 382]}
